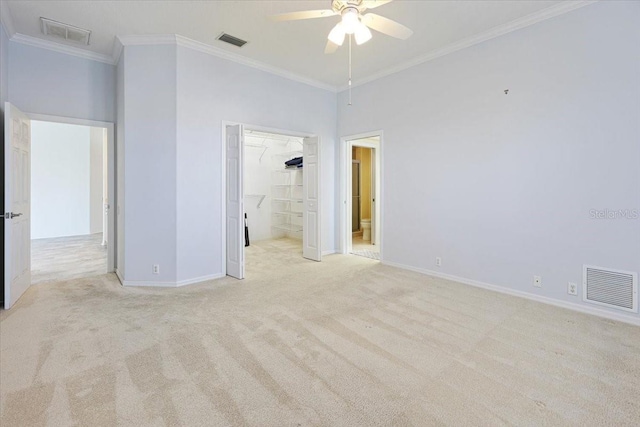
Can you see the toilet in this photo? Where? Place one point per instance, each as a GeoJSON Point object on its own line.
{"type": "Point", "coordinates": [366, 228]}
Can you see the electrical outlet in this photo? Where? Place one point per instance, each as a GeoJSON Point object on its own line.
{"type": "Point", "coordinates": [537, 281]}
{"type": "Point", "coordinates": [438, 261]}
{"type": "Point", "coordinates": [572, 288]}
{"type": "Point", "coordinates": [156, 268]}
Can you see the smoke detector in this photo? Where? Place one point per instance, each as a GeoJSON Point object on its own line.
{"type": "Point", "coordinates": [67, 32]}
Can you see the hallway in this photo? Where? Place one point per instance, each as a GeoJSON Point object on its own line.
{"type": "Point", "coordinates": [67, 258]}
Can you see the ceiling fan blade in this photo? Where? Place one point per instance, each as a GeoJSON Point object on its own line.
{"type": "Point", "coordinates": [304, 14]}
{"type": "Point", "coordinates": [331, 47]}
{"type": "Point", "coordinates": [372, 4]}
{"type": "Point", "coordinates": [386, 26]}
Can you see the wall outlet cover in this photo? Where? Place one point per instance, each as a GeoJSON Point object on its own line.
{"type": "Point", "coordinates": [438, 261]}
{"type": "Point", "coordinates": [537, 281]}
{"type": "Point", "coordinates": [572, 288]}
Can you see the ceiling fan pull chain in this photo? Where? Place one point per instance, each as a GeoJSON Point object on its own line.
{"type": "Point", "coordinates": [349, 69]}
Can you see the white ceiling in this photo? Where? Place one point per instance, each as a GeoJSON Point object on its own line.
{"type": "Point", "coordinates": [296, 46]}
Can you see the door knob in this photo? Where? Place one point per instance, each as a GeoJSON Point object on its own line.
{"type": "Point", "coordinates": [11, 215]}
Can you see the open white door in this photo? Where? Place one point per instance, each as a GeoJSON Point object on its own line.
{"type": "Point", "coordinates": [374, 218]}
{"type": "Point", "coordinates": [17, 203]}
{"type": "Point", "coordinates": [311, 237]}
{"type": "Point", "coordinates": [235, 206]}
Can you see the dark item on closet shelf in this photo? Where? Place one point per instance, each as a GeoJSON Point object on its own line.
{"type": "Point", "coordinates": [246, 231]}
{"type": "Point", "coordinates": [294, 162]}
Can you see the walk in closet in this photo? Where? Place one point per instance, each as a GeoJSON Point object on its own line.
{"type": "Point", "coordinates": [273, 191]}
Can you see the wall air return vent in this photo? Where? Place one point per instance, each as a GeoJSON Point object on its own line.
{"type": "Point", "coordinates": [64, 31]}
{"type": "Point", "coordinates": [611, 288]}
{"type": "Point", "coordinates": [224, 37]}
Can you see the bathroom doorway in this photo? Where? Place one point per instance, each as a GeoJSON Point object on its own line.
{"type": "Point", "coordinates": [362, 196]}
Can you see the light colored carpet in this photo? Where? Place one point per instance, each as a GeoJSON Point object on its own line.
{"type": "Point", "coordinates": [65, 258]}
{"type": "Point", "coordinates": [345, 342]}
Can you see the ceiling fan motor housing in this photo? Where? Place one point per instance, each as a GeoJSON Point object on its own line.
{"type": "Point", "coordinates": [339, 5]}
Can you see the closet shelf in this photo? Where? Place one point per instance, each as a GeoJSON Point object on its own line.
{"type": "Point", "coordinates": [287, 170]}
{"type": "Point", "coordinates": [289, 153]}
{"type": "Point", "coordinates": [284, 199]}
{"type": "Point", "coordinates": [288, 227]}
{"type": "Point", "coordinates": [297, 214]}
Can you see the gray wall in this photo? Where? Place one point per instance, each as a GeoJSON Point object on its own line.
{"type": "Point", "coordinates": [502, 186]}
{"type": "Point", "coordinates": [4, 68]}
{"type": "Point", "coordinates": [149, 142]}
{"type": "Point", "coordinates": [174, 100]}
{"type": "Point", "coordinates": [211, 90]}
{"type": "Point", "coordinates": [48, 82]}
{"type": "Point", "coordinates": [120, 164]}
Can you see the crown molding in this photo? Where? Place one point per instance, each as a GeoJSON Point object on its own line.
{"type": "Point", "coordinates": [517, 24]}
{"type": "Point", "coordinates": [138, 40]}
{"type": "Point", "coordinates": [116, 51]}
{"type": "Point", "coordinates": [6, 19]}
{"type": "Point", "coordinates": [145, 40]}
{"type": "Point", "coordinates": [61, 48]}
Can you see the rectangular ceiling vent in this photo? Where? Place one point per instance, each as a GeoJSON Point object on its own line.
{"type": "Point", "coordinates": [611, 288]}
{"type": "Point", "coordinates": [68, 32]}
{"type": "Point", "coordinates": [224, 37]}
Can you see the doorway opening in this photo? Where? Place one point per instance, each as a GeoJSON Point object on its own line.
{"type": "Point", "coordinates": [272, 196]}
{"type": "Point", "coordinates": [54, 164]}
{"type": "Point", "coordinates": [69, 201]}
{"type": "Point", "coordinates": [362, 195]}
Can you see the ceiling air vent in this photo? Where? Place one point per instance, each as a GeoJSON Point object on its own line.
{"type": "Point", "coordinates": [64, 31]}
{"type": "Point", "coordinates": [231, 40]}
{"type": "Point", "coordinates": [611, 288]}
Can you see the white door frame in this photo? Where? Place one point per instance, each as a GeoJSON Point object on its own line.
{"type": "Point", "coordinates": [223, 174]}
{"type": "Point", "coordinates": [111, 175]}
{"type": "Point", "coordinates": [347, 143]}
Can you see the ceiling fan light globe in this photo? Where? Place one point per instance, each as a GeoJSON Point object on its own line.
{"type": "Point", "coordinates": [350, 20]}
{"type": "Point", "coordinates": [362, 34]}
{"type": "Point", "coordinates": [337, 34]}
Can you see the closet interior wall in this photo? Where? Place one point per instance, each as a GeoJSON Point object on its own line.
{"type": "Point", "coordinates": [273, 193]}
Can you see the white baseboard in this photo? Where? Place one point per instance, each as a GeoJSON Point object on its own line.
{"type": "Point", "coordinates": [157, 284]}
{"type": "Point", "coordinates": [329, 252]}
{"type": "Point", "coordinates": [545, 300]}
{"type": "Point", "coordinates": [200, 279]}
{"type": "Point", "coordinates": [119, 276]}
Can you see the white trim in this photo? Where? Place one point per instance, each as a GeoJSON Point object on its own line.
{"type": "Point", "coordinates": [517, 24]}
{"type": "Point", "coordinates": [134, 283]}
{"type": "Point", "coordinates": [111, 176]}
{"type": "Point", "coordinates": [69, 120]}
{"type": "Point", "coordinates": [141, 40]}
{"type": "Point", "coordinates": [329, 252]}
{"type": "Point", "coordinates": [116, 51]}
{"type": "Point", "coordinates": [119, 276]}
{"type": "Point", "coordinates": [200, 279]}
{"type": "Point", "coordinates": [7, 19]}
{"type": "Point", "coordinates": [538, 298]}
{"type": "Point", "coordinates": [178, 284]}
{"type": "Point", "coordinates": [346, 144]}
{"type": "Point", "coordinates": [61, 48]}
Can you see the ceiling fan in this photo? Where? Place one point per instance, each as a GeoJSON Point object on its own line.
{"type": "Point", "coordinates": [354, 21]}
